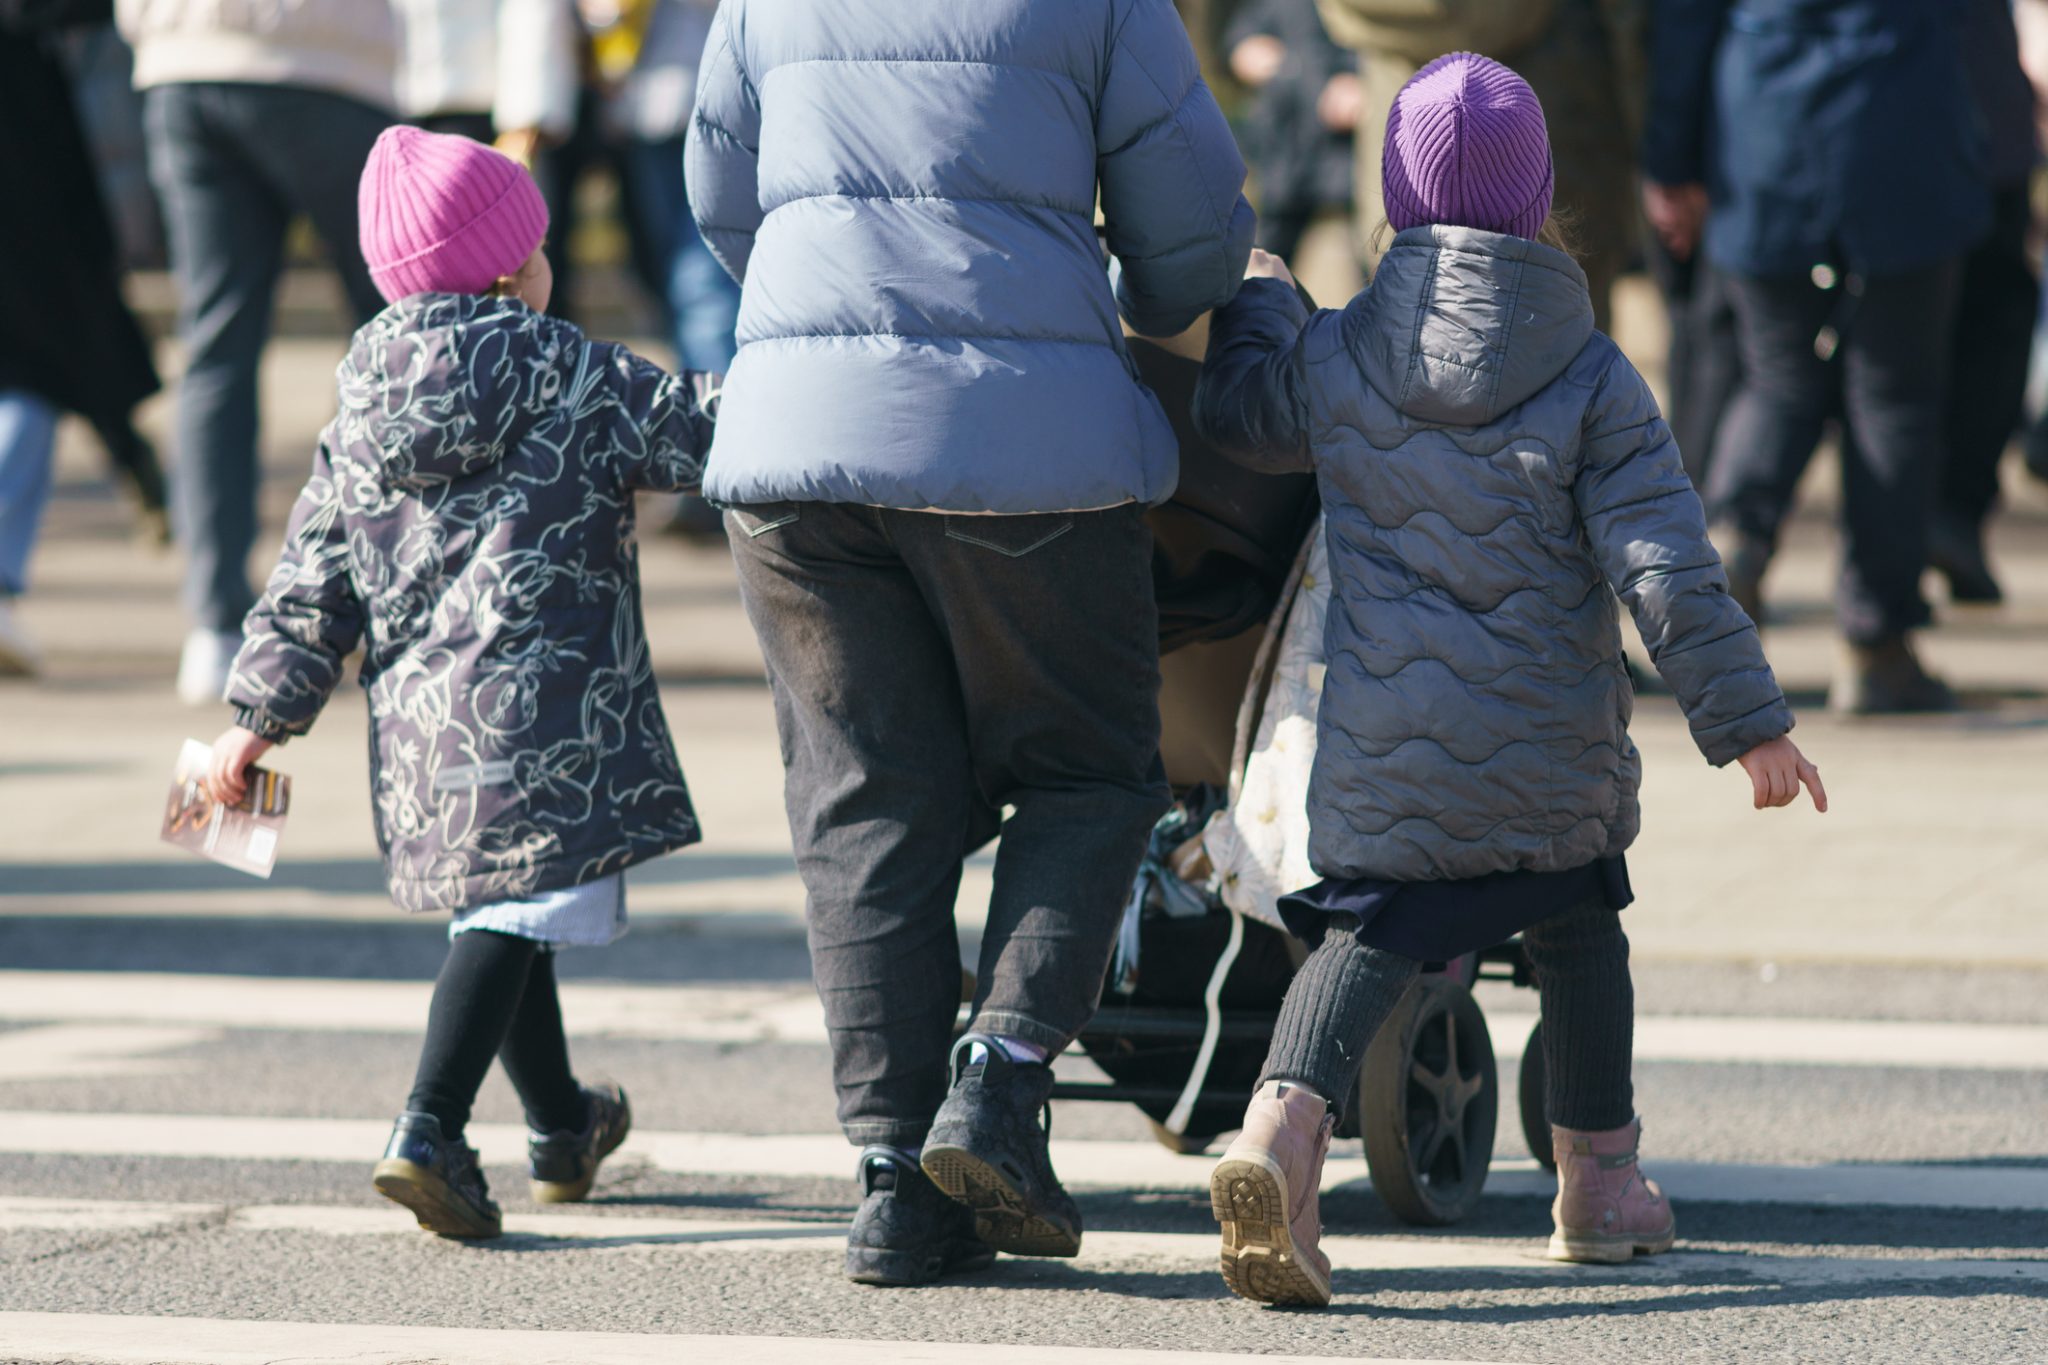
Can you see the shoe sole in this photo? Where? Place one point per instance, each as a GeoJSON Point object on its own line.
{"type": "Point", "coordinates": [1260, 1261]}
{"type": "Point", "coordinates": [431, 1200]}
{"type": "Point", "coordinates": [1003, 1217]}
{"type": "Point", "coordinates": [576, 1191]}
{"type": "Point", "coordinates": [1596, 1248]}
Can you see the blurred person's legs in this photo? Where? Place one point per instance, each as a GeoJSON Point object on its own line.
{"type": "Point", "coordinates": [1772, 425]}
{"type": "Point", "coordinates": [232, 163]}
{"type": "Point", "coordinates": [1995, 309]}
{"type": "Point", "coordinates": [701, 301]}
{"type": "Point", "coordinates": [1282, 227]}
{"type": "Point", "coordinates": [1702, 365]}
{"type": "Point", "coordinates": [28, 437]}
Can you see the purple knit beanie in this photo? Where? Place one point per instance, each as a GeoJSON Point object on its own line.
{"type": "Point", "coordinates": [1466, 145]}
{"type": "Point", "coordinates": [439, 214]}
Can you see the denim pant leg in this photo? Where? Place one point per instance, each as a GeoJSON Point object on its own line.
{"type": "Point", "coordinates": [1894, 387]}
{"type": "Point", "coordinates": [28, 439]}
{"type": "Point", "coordinates": [1781, 406]}
{"type": "Point", "coordinates": [1054, 637]}
{"type": "Point", "coordinates": [701, 300]}
{"type": "Point", "coordinates": [226, 227]}
{"type": "Point", "coordinates": [880, 795]}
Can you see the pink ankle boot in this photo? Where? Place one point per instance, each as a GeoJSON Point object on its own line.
{"type": "Point", "coordinates": [1264, 1192]}
{"type": "Point", "coordinates": [1606, 1210]}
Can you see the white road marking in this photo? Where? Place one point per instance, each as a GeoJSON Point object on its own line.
{"type": "Point", "coordinates": [1180, 1250]}
{"type": "Point", "coordinates": [74, 1051]}
{"type": "Point", "coordinates": [790, 1014]}
{"type": "Point", "coordinates": [112, 1339]}
{"type": "Point", "coordinates": [1123, 1165]}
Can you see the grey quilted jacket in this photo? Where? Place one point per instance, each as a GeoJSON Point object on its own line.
{"type": "Point", "coordinates": [469, 521]}
{"type": "Point", "coordinates": [1494, 472]}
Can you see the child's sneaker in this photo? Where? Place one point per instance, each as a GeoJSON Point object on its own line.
{"type": "Point", "coordinates": [437, 1178]}
{"type": "Point", "coordinates": [988, 1148]}
{"type": "Point", "coordinates": [1265, 1194]}
{"type": "Point", "coordinates": [1606, 1211]}
{"type": "Point", "coordinates": [564, 1165]}
{"type": "Point", "coordinates": [907, 1231]}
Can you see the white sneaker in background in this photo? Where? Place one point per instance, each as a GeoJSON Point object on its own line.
{"type": "Point", "coordinates": [203, 667]}
{"type": "Point", "coordinates": [18, 656]}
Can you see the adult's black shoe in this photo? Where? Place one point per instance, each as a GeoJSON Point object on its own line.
{"type": "Point", "coordinates": [988, 1150]}
{"type": "Point", "coordinates": [907, 1232]}
{"type": "Point", "coordinates": [1955, 549]}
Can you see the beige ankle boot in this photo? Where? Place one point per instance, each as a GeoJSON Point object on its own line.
{"type": "Point", "coordinates": [1606, 1210]}
{"type": "Point", "coordinates": [1264, 1192]}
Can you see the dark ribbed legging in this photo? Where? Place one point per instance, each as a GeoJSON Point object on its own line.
{"type": "Point", "coordinates": [1345, 991]}
{"type": "Point", "coordinates": [496, 997]}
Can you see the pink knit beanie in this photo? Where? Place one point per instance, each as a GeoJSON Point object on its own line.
{"type": "Point", "coordinates": [439, 214]}
{"type": "Point", "coordinates": [1466, 145]}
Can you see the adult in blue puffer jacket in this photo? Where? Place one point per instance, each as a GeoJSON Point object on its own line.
{"type": "Point", "coordinates": [1825, 156]}
{"type": "Point", "coordinates": [938, 457]}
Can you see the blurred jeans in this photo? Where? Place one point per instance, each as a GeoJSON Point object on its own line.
{"type": "Point", "coordinates": [1885, 376]}
{"type": "Point", "coordinates": [929, 670]}
{"type": "Point", "coordinates": [1994, 337]}
{"type": "Point", "coordinates": [233, 164]}
{"type": "Point", "coordinates": [701, 300]}
{"type": "Point", "coordinates": [28, 439]}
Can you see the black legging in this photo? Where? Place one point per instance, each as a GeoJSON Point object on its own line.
{"type": "Point", "coordinates": [1345, 991]}
{"type": "Point", "coordinates": [496, 997]}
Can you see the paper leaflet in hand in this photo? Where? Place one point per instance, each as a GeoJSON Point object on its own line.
{"type": "Point", "coordinates": [243, 836]}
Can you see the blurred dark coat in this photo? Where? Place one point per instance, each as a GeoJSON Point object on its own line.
{"type": "Point", "coordinates": [65, 332]}
{"type": "Point", "coordinates": [2005, 97]}
{"type": "Point", "coordinates": [1301, 165]}
{"type": "Point", "coordinates": [1583, 58]}
{"type": "Point", "coordinates": [1838, 131]}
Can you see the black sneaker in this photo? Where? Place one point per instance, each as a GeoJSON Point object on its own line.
{"type": "Point", "coordinates": [437, 1178]}
{"type": "Point", "coordinates": [987, 1149]}
{"type": "Point", "coordinates": [907, 1232]}
{"type": "Point", "coordinates": [564, 1165]}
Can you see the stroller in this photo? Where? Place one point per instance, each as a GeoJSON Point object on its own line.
{"type": "Point", "coordinates": [1203, 960]}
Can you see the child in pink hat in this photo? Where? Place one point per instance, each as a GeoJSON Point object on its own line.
{"type": "Point", "coordinates": [469, 526]}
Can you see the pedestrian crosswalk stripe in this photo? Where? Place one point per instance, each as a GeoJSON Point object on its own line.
{"type": "Point", "coordinates": [791, 1014]}
{"type": "Point", "coordinates": [597, 1231]}
{"type": "Point", "coordinates": [1123, 1165]}
{"type": "Point", "coordinates": [114, 1339]}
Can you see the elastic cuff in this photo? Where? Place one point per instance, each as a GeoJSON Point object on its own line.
{"type": "Point", "coordinates": [262, 724]}
{"type": "Point", "coordinates": [1021, 1026]}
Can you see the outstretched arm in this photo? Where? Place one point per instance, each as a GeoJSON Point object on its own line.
{"type": "Point", "coordinates": [1252, 401]}
{"type": "Point", "coordinates": [296, 638]}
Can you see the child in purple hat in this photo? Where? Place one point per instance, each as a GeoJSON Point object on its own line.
{"type": "Point", "coordinates": [469, 526]}
{"type": "Point", "coordinates": [1494, 473]}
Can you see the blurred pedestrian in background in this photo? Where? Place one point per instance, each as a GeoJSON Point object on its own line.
{"type": "Point", "coordinates": [1996, 305]}
{"type": "Point", "coordinates": [254, 113]}
{"type": "Point", "coordinates": [1584, 59]}
{"type": "Point", "coordinates": [1297, 134]}
{"type": "Point", "coordinates": [1825, 156]}
{"type": "Point", "coordinates": [67, 339]}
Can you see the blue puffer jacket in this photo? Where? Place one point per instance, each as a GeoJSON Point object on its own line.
{"type": "Point", "coordinates": [1493, 472]}
{"type": "Point", "coordinates": [907, 190]}
{"type": "Point", "coordinates": [469, 521]}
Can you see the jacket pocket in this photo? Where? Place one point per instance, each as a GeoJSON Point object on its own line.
{"type": "Point", "coordinates": [1014, 536]}
{"type": "Point", "coordinates": [758, 519]}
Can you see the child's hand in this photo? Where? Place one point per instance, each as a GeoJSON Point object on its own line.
{"type": "Point", "coordinates": [1775, 771]}
{"type": "Point", "coordinates": [227, 779]}
{"type": "Point", "coordinates": [1266, 266]}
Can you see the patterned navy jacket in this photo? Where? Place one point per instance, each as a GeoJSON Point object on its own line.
{"type": "Point", "coordinates": [469, 521]}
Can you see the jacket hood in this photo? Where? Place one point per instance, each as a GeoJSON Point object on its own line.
{"type": "Point", "coordinates": [440, 386]}
{"type": "Point", "coordinates": [1460, 325]}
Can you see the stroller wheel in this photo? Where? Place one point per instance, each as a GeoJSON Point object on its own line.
{"type": "Point", "coordinates": [1186, 1144]}
{"type": "Point", "coordinates": [1428, 1098]}
{"type": "Point", "coordinates": [1529, 1100]}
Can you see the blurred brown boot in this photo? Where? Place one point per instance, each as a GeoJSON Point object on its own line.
{"type": "Point", "coordinates": [1264, 1193]}
{"type": "Point", "coordinates": [1606, 1211]}
{"type": "Point", "coordinates": [1886, 679]}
